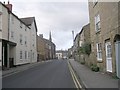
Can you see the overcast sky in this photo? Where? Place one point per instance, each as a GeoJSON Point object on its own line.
{"type": "Point", "coordinates": [59, 17]}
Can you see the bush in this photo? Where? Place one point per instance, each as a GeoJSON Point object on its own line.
{"type": "Point", "coordinates": [85, 49]}
{"type": "Point", "coordinates": [82, 63]}
{"type": "Point", "coordinates": [94, 68]}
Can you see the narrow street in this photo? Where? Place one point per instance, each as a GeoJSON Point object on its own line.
{"type": "Point", "coordinates": [53, 74]}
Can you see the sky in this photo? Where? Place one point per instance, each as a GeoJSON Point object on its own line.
{"type": "Point", "coordinates": [61, 17]}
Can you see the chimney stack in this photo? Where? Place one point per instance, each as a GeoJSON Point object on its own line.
{"type": "Point", "coordinates": [9, 6]}
{"type": "Point", "coordinates": [41, 35]}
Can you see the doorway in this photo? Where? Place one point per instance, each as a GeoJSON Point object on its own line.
{"type": "Point", "coordinates": [108, 57]}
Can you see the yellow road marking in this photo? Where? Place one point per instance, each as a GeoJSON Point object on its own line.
{"type": "Point", "coordinates": [76, 82]}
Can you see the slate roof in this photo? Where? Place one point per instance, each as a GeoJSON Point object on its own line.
{"type": "Point", "coordinates": [28, 21]}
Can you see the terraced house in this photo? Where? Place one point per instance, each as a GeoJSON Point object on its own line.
{"type": "Point", "coordinates": [18, 38]}
{"type": "Point", "coordinates": [105, 35]}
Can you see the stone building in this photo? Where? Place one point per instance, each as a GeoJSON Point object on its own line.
{"type": "Point", "coordinates": [40, 48]}
{"type": "Point", "coordinates": [84, 44]}
{"type": "Point", "coordinates": [46, 49]}
{"type": "Point", "coordinates": [105, 35]}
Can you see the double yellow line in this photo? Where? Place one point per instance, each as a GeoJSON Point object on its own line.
{"type": "Point", "coordinates": [74, 77]}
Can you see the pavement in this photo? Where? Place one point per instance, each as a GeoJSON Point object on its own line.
{"type": "Point", "coordinates": [54, 74]}
{"type": "Point", "coordinates": [90, 79]}
{"type": "Point", "coordinates": [17, 69]}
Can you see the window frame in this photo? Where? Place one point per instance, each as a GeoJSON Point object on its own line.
{"type": "Point", "coordinates": [21, 39]}
{"type": "Point", "coordinates": [99, 51]}
{"type": "Point", "coordinates": [20, 54]}
{"type": "Point", "coordinates": [97, 22]}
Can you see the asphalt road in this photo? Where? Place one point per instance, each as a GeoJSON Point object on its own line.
{"type": "Point", "coordinates": [54, 74]}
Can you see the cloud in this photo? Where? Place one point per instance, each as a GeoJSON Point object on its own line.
{"type": "Point", "coordinates": [58, 17]}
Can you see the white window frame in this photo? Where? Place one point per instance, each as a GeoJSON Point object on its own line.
{"type": "Point", "coordinates": [109, 51]}
{"type": "Point", "coordinates": [21, 24]}
{"type": "Point", "coordinates": [99, 51]}
{"type": "Point", "coordinates": [12, 34]}
{"type": "Point", "coordinates": [21, 39]}
{"type": "Point", "coordinates": [25, 54]}
{"type": "Point", "coordinates": [25, 40]}
{"type": "Point", "coordinates": [20, 54]}
{"type": "Point", "coordinates": [97, 22]}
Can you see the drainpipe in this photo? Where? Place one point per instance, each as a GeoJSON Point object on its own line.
{"type": "Point", "coordinates": [8, 40]}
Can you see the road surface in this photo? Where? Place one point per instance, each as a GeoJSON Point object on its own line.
{"type": "Point", "coordinates": [53, 74]}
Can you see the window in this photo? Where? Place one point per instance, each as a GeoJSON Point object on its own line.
{"type": "Point", "coordinates": [21, 39]}
{"type": "Point", "coordinates": [26, 41]}
{"type": "Point", "coordinates": [99, 51]}
{"type": "Point", "coordinates": [12, 19]}
{"type": "Point", "coordinates": [20, 54]}
{"type": "Point", "coordinates": [33, 55]}
{"type": "Point", "coordinates": [109, 53]}
{"type": "Point", "coordinates": [12, 34]}
{"type": "Point", "coordinates": [25, 54]}
{"type": "Point", "coordinates": [25, 28]}
{"type": "Point", "coordinates": [97, 23]}
{"type": "Point", "coordinates": [20, 24]}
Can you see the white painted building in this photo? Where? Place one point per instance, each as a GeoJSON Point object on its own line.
{"type": "Point", "coordinates": [30, 22]}
{"type": "Point", "coordinates": [3, 35]}
{"type": "Point", "coordinates": [19, 38]}
{"type": "Point", "coordinates": [0, 34]}
{"type": "Point", "coordinates": [59, 55]}
{"type": "Point", "coordinates": [19, 33]}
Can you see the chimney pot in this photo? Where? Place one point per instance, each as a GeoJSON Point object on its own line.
{"type": "Point", "coordinates": [9, 6]}
{"type": "Point", "coordinates": [41, 35]}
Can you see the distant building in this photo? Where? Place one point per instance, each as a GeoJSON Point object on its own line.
{"type": "Point", "coordinates": [45, 48]}
{"type": "Point", "coordinates": [50, 49]}
{"type": "Point", "coordinates": [61, 54]}
{"type": "Point", "coordinates": [70, 53]}
{"type": "Point", "coordinates": [40, 48]}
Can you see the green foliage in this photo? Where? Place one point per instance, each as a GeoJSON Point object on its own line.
{"type": "Point", "coordinates": [82, 63]}
{"type": "Point", "coordinates": [94, 68]}
{"type": "Point", "coordinates": [85, 49]}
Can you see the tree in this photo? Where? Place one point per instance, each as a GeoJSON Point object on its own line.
{"type": "Point", "coordinates": [85, 49]}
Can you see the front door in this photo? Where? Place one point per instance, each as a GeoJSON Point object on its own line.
{"type": "Point", "coordinates": [117, 47]}
{"type": "Point", "coordinates": [108, 57]}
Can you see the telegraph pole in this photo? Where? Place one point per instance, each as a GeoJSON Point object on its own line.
{"type": "Point", "coordinates": [73, 36]}
{"type": "Point", "coordinates": [73, 45]}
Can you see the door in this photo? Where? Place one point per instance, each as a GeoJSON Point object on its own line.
{"type": "Point", "coordinates": [117, 47]}
{"type": "Point", "coordinates": [108, 57]}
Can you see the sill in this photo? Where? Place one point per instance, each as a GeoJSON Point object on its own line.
{"type": "Point", "coordinates": [99, 60]}
{"type": "Point", "coordinates": [98, 32]}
